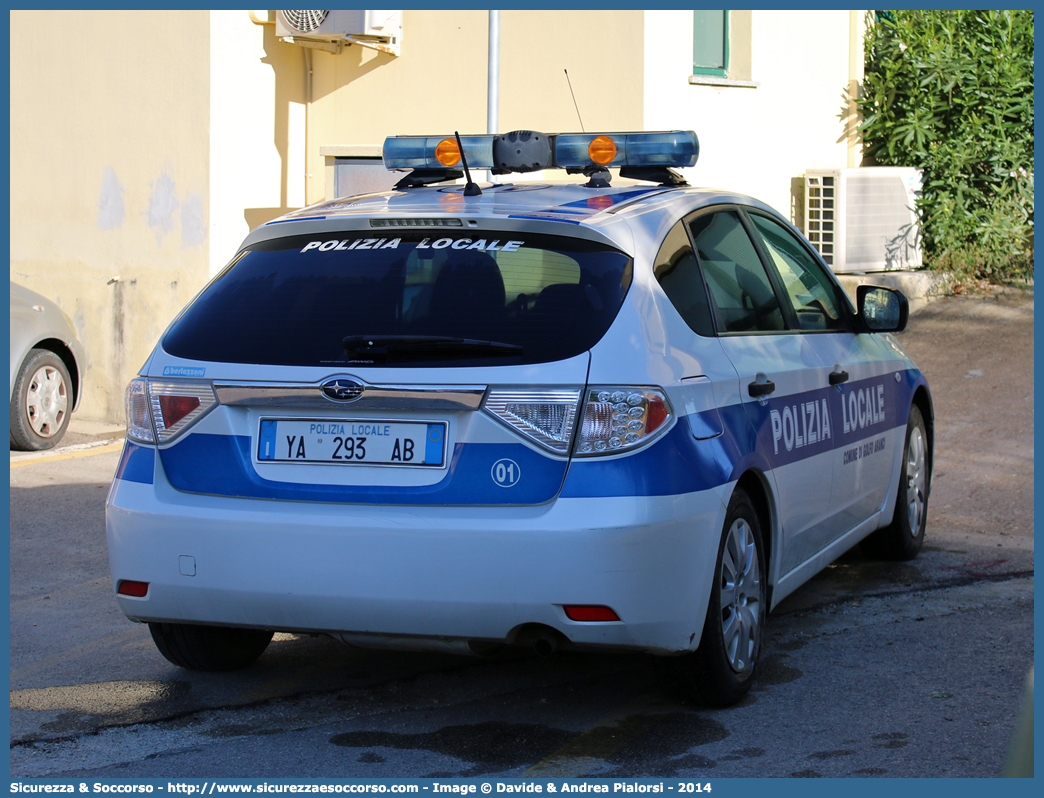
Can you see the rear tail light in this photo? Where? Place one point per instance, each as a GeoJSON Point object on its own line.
{"type": "Point", "coordinates": [157, 412]}
{"type": "Point", "coordinates": [621, 418]}
{"type": "Point", "coordinates": [178, 405]}
{"type": "Point", "coordinates": [139, 425]}
{"type": "Point", "coordinates": [174, 408]}
{"type": "Point", "coordinates": [128, 587]}
{"type": "Point", "coordinates": [545, 416]}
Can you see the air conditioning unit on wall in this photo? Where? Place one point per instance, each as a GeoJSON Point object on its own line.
{"type": "Point", "coordinates": [328, 30]}
{"type": "Point", "coordinates": [863, 220]}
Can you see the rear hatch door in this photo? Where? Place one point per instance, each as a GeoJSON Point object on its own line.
{"type": "Point", "coordinates": [407, 367]}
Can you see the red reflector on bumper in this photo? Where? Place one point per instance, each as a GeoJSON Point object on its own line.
{"type": "Point", "coordinates": [131, 588]}
{"type": "Point", "coordinates": [587, 612]}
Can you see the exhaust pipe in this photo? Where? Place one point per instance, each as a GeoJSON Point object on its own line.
{"type": "Point", "coordinates": [544, 640]}
{"type": "Point", "coordinates": [545, 645]}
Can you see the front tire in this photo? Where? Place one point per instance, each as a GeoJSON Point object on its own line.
{"type": "Point", "coordinates": [209, 648]}
{"type": "Point", "coordinates": [902, 539]}
{"type": "Point", "coordinates": [41, 402]}
{"type": "Point", "coordinates": [720, 672]}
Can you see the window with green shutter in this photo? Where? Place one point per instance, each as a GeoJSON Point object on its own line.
{"type": "Point", "coordinates": [710, 43]}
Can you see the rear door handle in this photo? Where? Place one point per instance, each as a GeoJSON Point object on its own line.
{"type": "Point", "coordinates": [757, 388]}
{"type": "Point", "coordinates": [838, 377]}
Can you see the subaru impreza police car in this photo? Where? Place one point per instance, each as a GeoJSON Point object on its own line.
{"type": "Point", "coordinates": [614, 412]}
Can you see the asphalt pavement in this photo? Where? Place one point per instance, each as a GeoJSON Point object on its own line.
{"type": "Point", "coordinates": [872, 669]}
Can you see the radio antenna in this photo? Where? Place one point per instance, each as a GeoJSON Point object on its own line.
{"type": "Point", "coordinates": [577, 107]}
{"type": "Point", "coordinates": [470, 189]}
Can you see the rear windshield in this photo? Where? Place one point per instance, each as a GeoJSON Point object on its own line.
{"type": "Point", "coordinates": [406, 298]}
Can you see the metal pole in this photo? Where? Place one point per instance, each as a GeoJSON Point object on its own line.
{"type": "Point", "coordinates": [493, 87]}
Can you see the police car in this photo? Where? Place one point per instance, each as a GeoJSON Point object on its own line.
{"type": "Point", "coordinates": [615, 412]}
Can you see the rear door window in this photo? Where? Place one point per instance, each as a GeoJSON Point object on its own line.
{"type": "Point", "coordinates": [678, 273]}
{"type": "Point", "coordinates": [408, 299]}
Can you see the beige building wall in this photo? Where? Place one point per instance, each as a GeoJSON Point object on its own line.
{"type": "Point", "coordinates": [142, 156]}
{"type": "Point", "coordinates": [256, 138]}
{"type": "Point", "coordinates": [759, 139]}
{"type": "Point", "coordinates": [138, 169]}
{"type": "Point", "coordinates": [439, 82]}
{"type": "Point", "coordinates": [109, 178]}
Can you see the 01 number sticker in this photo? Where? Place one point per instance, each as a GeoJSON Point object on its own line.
{"type": "Point", "coordinates": [506, 473]}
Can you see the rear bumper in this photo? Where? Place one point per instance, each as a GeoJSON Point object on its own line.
{"type": "Point", "coordinates": [458, 573]}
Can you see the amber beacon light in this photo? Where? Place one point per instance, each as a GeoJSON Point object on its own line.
{"type": "Point", "coordinates": [602, 150]}
{"type": "Point", "coordinates": [447, 152]}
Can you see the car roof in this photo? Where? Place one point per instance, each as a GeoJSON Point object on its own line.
{"type": "Point", "coordinates": [570, 203]}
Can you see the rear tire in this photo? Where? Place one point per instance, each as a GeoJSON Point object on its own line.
{"type": "Point", "coordinates": [209, 648]}
{"type": "Point", "coordinates": [720, 672]}
{"type": "Point", "coordinates": [41, 402]}
{"type": "Point", "coordinates": [902, 539]}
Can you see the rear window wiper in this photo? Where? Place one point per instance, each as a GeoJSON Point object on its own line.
{"type": "Point", "coordinates": [433, 345]}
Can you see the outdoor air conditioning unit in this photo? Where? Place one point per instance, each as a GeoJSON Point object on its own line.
{"type": "Point", "coordinates": [863, 220]}
{"type": "Point", "coordinates": [328, 30]}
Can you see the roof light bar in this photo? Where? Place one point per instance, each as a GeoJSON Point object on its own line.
{"type": "Point", "coordinates": [515, 151]}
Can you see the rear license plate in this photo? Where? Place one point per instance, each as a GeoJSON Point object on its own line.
{"type": "Point", "coordinates": [351, 442]}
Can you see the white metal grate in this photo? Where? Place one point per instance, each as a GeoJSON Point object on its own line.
{"type": "Point", "coordinates": [305, 21]}
{"type": "Point", "coordinates": [864, 219]}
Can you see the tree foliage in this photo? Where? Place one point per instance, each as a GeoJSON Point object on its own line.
{"type": "Point", "coordinates": [951, 93]}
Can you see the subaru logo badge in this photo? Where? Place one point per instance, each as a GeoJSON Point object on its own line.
{"type": "Point", "coordinates": [341, 390]}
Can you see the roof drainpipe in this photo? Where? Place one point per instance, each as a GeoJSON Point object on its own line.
{"type": "Point", "coordinates": [308, 114]}
{"type": "Point", "coordinates": [493, 95]}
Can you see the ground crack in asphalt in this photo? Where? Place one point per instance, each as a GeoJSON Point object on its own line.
{"type": "Point", "coordinates": [960, 581]}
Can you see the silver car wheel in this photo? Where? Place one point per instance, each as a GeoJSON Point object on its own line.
{"type": "Point", "coordinates": [47, 401]}
{"type": "Point", "coordinates": [741, 597]}
{"type": "Point", "coordinates": [916, 480]}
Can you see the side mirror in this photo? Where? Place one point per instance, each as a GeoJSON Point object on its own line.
{"type": "Point", "coordinates": [882, 309]}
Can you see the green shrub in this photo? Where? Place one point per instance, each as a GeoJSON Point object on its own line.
{"type": "Point", "coordinates": [951, 93]}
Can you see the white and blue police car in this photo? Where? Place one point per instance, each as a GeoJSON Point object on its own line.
{"type": "Point", "coordinates": [617, 413]}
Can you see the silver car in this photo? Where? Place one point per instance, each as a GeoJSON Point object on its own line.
{"type": "Point", "coordinates": [47, 366]}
